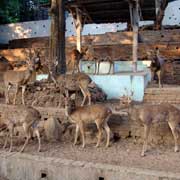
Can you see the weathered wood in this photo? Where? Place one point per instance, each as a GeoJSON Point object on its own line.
{"type": "Point", "coordinates": [61, 67]}
{"type": "Point", "coordinates": [135, 18]}
{"type": "Point", "coordinates": [78, 30]}
{"type": "Point", "coordinates": [53, 43]}
{"type": "Point", "coordinates": [160, 14]}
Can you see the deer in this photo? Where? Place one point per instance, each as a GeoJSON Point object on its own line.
{"type": "Point", "coordinates": [157, 67]}
{"type": "Point", "coordinates": [78, 81]}
{"type": "Point", "coordinates": [76, 56]}
{"type": "Point", "coordinates": [90, 54]}
{"type": "Point", "coordinates": [27, 117]}
{"type": "Point", "coordinates": [5, 64]}
{"type": "Point", "coordinates": [148, 114]}
{"type": "Point", "coordinates": [80, 116]}
{"type": "Point", "coordinates": [19, 79]}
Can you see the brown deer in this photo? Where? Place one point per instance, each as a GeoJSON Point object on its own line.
{"type": "Point", "coordinates": [148, 114]}
{"type": "Point", "coordinates": [75, 82]}
{"type": "Point", "coordinates": [27, 117]}
{"type": "Point", "coordinates": [97, 113]}
{"type": "Point", "coordinates": [157, 66]}
{"type": "Point", "coordinates": [76, 56]}
{"type": "Point", "coordinates": [91, 55]}
{"type": "Point", "coordinates": [105, 59]}
{"type": "Point", "coordinates": [5, 64]}
{"type": "Point", "coordinates": [18, 79]}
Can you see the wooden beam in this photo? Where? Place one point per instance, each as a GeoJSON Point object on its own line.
{"type": "Point", "coordinates": [61, 67]}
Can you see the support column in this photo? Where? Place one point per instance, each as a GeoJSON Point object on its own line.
{"type": "Point", "coordinates": [78, 30]}
{"type": "Point", "coordinates": [61, 67]}
{"type": "Point", "coordinates": [53, 40]}
{"type": "Point", "coordinates": [134, 10]}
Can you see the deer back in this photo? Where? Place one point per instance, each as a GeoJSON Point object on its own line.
{"type": "Point", "coordinates": [4, 64]}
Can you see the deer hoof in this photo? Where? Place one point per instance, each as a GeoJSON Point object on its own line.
{"type": "Point", "coordinates": [176, 149]}
{"type": "Point", "coordinates": [97, 145]}
{"type": "Point", "coordinates": [142, 154]}
{"type": "Point", "coordinates": [107, 145]}
{"type": "Point", "coordinates": [39, 150]}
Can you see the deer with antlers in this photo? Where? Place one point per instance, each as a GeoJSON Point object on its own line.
{"type": "Point", "coordinates": [19, 79]}
{"type": "Point", "coordinates": [97, 113]}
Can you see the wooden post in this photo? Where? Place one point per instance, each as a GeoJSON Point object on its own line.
{"type": "Point", "coordinates": [160, 13]}
{"type": "Point", "coordinates": [53, 43]}
{"type": "Point", "coordinates": [78, 30]}
{"type": "Point", "coordinates": [61, 67]}
{"type": "Point", "coordinates": [135, 24]}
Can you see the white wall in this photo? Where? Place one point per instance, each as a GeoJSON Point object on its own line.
{"type": "Point", "coordinates": [42, 28]}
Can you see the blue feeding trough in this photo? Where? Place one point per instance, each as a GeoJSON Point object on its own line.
{"type": "Point", "coordinates": [123, 81]}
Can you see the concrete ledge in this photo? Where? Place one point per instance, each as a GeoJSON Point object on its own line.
{"type": "Point", "coordinates": [16, 166]}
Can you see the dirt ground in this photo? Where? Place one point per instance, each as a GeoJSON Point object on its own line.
{"type": "Point", "coordinates": [122, 153]}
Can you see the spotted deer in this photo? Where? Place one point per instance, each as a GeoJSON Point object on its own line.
{"type": "Point", "coordinates": [5, 64]}
{"type": "Point", "coordinates": [75, 82]}
{"type": "Point", "coordinates": [19, 79]}
{"type": "Point", "coordinates": [27, 117]}
{"type": "Point", "coordinates": [97, 113]}
{"type": "Point", "coordinates": [93, 56]}
{"type": "Point", "coordinates": [147, 114]}
{"type": "Point", "coordinates": [75, 56]}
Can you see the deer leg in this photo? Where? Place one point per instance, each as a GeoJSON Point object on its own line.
{"type": "Point", "coordinates": [11, 137]}
{"type": "Point", "coordinates": [39, 139]}
{"type": "Point", "coordinates": [107, 129]}
{"type": "Point", "coordinates": [84, 96]}
{"type": "Point", "coordinates": [99, 127]}
{"type": "Point", "coordinates": [98, 65]}
{"type": "Point", "coordinates": [17, 87]}
{"type": "Point", "coordinates": [76, 134]}
{"type": "Point", "coordinates": [95, 71]}
{"type": "Point", "coordinates": [6, 140]}
{"type": "Point", "coordinates": [111, 65]}
{"type": "Point", "coordinates": [159, 78]}
{"type": "Point", "coordinates": [110, 68]}
{"type": "Point", "coordinates": [78, 66]}
{"type": "Point", "coordinates": [146, 134]}
{"type": "Point", "coordinates": [7, 93]}
{"type": "Point", "coordinates": [89, 97]}
{"type": "Point", "coordinates": [23, 90]}
{"type": "Point", "coordinates": [26, 130]}
{"type": "Point", "coordinates": [174, 131]}
{"type": "Point", "coordinates": [81, 126]}
{"type": "Point", "coordinates": [152, 76]}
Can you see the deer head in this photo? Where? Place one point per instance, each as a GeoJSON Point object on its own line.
{"type": "Point", "coordinates": [126, 99]}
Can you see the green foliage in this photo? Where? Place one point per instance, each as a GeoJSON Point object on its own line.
{"type": "Point", "coordinates": [9, 11]}
{"type": "Point", "coordinates": [44, 1]}
{"type": "Point", "coordinates": [12, 11]}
